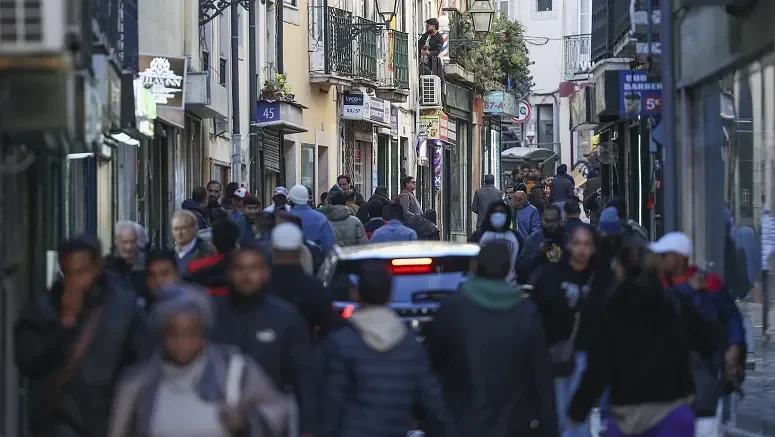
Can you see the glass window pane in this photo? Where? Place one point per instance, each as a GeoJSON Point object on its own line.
{"type": "Point", "coordinates": [308, 168]}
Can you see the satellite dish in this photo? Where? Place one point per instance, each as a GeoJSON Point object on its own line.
{"type": "Point", "coordinates": [608, 152]}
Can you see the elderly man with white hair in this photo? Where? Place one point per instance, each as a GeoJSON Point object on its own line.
{"type": "Point", "coordinates": [127, 258]}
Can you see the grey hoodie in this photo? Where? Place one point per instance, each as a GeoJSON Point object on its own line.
{"type": "Point", "coordinates": [348, 230]}
{"type": "Point", "coordinates": [379, 327]}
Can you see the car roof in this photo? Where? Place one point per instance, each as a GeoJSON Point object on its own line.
{"type": "Point", "coordinates": [407, 249]}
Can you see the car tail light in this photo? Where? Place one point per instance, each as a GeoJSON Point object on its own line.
{"type": "Point", "coordinates": [347, 311]}
{"type": "Point", "coordinates": [411, 266]}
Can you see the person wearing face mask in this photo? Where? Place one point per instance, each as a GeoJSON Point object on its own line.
{"type": "Point", "coordinates": [497, 227]}
{"type": "Point", "coordinates": [542, 246]}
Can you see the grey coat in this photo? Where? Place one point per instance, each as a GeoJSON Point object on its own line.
{"type": "Point", "coordinates": [483, 198]}
{"type": "Point", "coordinates": [348, 230]}
{"type": "Point", "coordinates": [262, 406]}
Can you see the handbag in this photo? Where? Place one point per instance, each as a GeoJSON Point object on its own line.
{"type": "Point", "coordinates": [563, 353]}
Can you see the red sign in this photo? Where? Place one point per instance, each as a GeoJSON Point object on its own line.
{"type": "Point", "coordinates": [652, 102]}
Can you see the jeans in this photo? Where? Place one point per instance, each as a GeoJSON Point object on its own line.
{"type": "Point", "coordinates": [564, 389]}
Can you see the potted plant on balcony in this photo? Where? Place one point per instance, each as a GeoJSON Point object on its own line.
{"type": "Point", "coordinates": [276, 88]}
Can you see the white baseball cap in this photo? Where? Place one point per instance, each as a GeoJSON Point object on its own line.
{"type": "Point", "coordinates": [282, 191]}
{"type": "Point", "coordinates": [673, 242]}
{"type": "Point", "coordinates": [240, 192]}
{"type": "Point", "coordinates": [299, 194]}
{"type": "Point", "coordinates": [287, 236]}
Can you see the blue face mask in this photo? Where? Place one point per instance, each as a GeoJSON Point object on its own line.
{"type": "Point", "coordinates": [498, 220]}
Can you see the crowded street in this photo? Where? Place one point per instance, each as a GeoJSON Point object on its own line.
{"type": "Point", "coordinates": [387, 218]}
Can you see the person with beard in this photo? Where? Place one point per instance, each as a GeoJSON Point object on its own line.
{"type": "Point", "coordinates": [228, 194]}
{"type": "Point", "coordinates": [162, 270]}
{"type": "Point", "coordinates": [542, 246]}
{"type": "Point", "coordinates": [269, 330]}
{"type": "Point", "coordinates": [496, 227]}
{"type": "Point", "coordinates": [248, 225]}
{"type": "Point", "coordinates": [569, 295]}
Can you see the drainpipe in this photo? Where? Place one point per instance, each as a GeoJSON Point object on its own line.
{"type": "Point", "coordinates": [236, 144]}
{"type": "Point", "coordinates": [670, 180]}
{"type": "Point", "coordinates": [256, 172]}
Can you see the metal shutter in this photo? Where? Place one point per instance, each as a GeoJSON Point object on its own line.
{"type": "Point", "coordinates": [271, 140]}
{"type": "Point", "coordinates": [395, 168]}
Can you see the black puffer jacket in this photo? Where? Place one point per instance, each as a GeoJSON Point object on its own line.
{"type": "Point", "coordinates": [43, 346]}
{"type": "Point", "coordinates": [381, 196]}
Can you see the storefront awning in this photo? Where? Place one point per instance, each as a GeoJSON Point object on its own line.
{"type": "Point", "coordinates": [280, 116]}
{"type": "Point", "coordinates": [528, 154]}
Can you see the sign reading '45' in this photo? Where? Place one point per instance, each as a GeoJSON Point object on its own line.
{"type": "Point", "coordinates": [268, 111]}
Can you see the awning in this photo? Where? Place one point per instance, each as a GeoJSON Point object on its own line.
{"type": "Point", "coordinates": [528, 154]}
{"type": "Point", "coordinates": [280, 116]}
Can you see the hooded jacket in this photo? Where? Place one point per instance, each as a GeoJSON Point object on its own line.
{"type": "Point", "coordinates": [507, 394]}
{"type": "Point", "coordinates": [348, 230]}
{"type": "Point", "coordinates": [190, 205]}
{"type": "Point", "coordinates": [486, 234]}
{"type": "Point", "coordinates": [381, 196]}
{"type": "Point", "coordinates": [336, 188]}
{"type": "Point", "coordinates": [374, 373]}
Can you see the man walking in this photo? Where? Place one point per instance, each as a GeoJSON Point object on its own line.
{"type": "Point", "coordinates": [484, 197]}
{"type": "Point", "coordinates": [74, 340]}
{"type": "Point", "coordinates": [527, 217]}
{"type": "Point", "coordinates": [510, 393]}
{"type": "Point", "coordinates": [408, 200]}
{"type": "Point", "coordinates": [394, 230]}
{"type": "Point", "coordinates": [562, 188]}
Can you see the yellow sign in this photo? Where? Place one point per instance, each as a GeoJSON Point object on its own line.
{"type": "Point", "coordinates": [435, 126]}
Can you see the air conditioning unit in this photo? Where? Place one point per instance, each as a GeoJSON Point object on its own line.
{"type": "Point", "coordinates": [33, 26]}
{"type": "Point", "coordinates": [430, 90]}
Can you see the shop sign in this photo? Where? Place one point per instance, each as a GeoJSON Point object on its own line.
{"type": "Point", "coordinates": [355, 107]}
{"type": "Point", "coordinates": [639, 96]}
{"type": "Point", "coordinates": [92, 115]}
{"type": "Point", "coordinates": [435, 126]}
{"type": "Point", "coordinates": [452, 131]}
{"type": "Point", "coordinates": [145, 108]}
{"type": "Point", "coordinates": [394, 120]}
{"type": "Point", "coordinates": [501, 103]}
{"type": "Point", "coordinates": [166, 76]}
{"type": "Point", "coordinates": [109, 88]}
{"type": "Point", "coordinates": [379, 111]}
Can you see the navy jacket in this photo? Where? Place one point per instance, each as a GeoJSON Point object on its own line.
{"type": "Point", "coordinates": [272, 332]}
{"type": "Point", "coordinates": [365, 392]}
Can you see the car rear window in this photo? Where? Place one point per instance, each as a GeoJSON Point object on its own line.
{"type": "Point", "coordinates": [424, 282]}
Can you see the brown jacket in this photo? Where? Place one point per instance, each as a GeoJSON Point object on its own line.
{"type": "Point", "coordinates": [263, 407]}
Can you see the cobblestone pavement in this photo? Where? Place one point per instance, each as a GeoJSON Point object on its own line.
{"type": "Point", "coordinates": [756, 411]}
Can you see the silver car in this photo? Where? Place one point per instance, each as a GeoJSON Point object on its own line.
{"type": "Point", "coordinates": [423, 273]}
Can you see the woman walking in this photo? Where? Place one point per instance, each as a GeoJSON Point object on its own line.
{"type": "Point", "coordinates": [191, 388]}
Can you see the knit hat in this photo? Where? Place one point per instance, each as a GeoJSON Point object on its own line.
{"type": "Point", "coordinates": [182, 298]}
{"type": "Point", "coordinates": [299, 194]}
{"type": "Point", "coordinates": [609, 223]}
{"type": "Point", "coordinates": [287, 236]}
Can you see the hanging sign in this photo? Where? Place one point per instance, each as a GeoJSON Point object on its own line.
{"type": "Point", "coordinates": [639, 96]}
{"type": "Point", "coordinates": [166, 77]}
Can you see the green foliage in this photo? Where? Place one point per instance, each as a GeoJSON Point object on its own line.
{"type": "Point", "coordinates": [500, 56]}
{"type": "Point", "coordinates": [277, 88]}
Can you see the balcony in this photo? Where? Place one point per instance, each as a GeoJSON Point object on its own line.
{"type": "Point", "coordinates": [393, 66]}
{"type": "Point", "coordinates": [336, 56]}
{"type": "Point", "coordinates": [612, 35]}
{"type": "Point", "coordinates": [108, 29]}
{"type": "Point", "coordinates": [205, 97]}
{"type": "Point", "coordinates": [578, 56]}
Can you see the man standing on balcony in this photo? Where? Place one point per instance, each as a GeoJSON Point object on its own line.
{"type": "Point", "coordinates": [431, 42]}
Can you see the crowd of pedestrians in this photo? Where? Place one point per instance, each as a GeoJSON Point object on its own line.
{"type": "Point", "coordinates": [230, 333]}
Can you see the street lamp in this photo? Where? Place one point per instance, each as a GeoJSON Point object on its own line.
{"type": "Point", "coordinates": [386, 15]}
{"type": "Point", "coordinates": [482, 13]}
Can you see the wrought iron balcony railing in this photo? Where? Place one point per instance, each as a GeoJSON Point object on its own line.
{"type": "Point", "coordinates": [378, 56]}
{"type": "Point", "coordinates": [577, 55]}
{"type": "Point", "coordinates": [612, 27]}
{"type": "Point", "coordinates": [109, 16]}
{"type": "Point", "coordinates": [600, 43]}
{"type": "Point", "coordinates": [393, 60]}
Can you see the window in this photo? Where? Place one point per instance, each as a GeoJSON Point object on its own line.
{"type": "Point", "coordinates": [308, 168]}
{"type": "Point", "coordinates": [290, 2]}
{"type": "Point", "coordinates": [544, 5]}
{"type": "Point", "coordinates": [222, 73]}
{"type": "Point", "coordinates": [223, 34]}
{"type": "Point", "coordinates": [584, 25]}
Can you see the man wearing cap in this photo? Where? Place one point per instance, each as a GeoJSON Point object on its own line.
{"type": "Point", "coordinates": [280, 199]}
{"type": "Point", "coordinates": [711, 296]}
{"type": "Point", "coordinates": [237, 204]}
{"type": "Point", "coordinates": [290, 281]}
{"type": "Point", "coordinates": [314, 224]}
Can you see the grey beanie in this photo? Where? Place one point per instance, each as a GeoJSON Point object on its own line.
{"type": "Point", "coordinates": [180, 299]}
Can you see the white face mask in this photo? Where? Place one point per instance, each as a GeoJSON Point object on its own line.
{"type": "Point", "coordinates": [498, 220]}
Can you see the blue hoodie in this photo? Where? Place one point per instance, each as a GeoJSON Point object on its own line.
{"type": "Point", "coordinates": [315, 226]}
